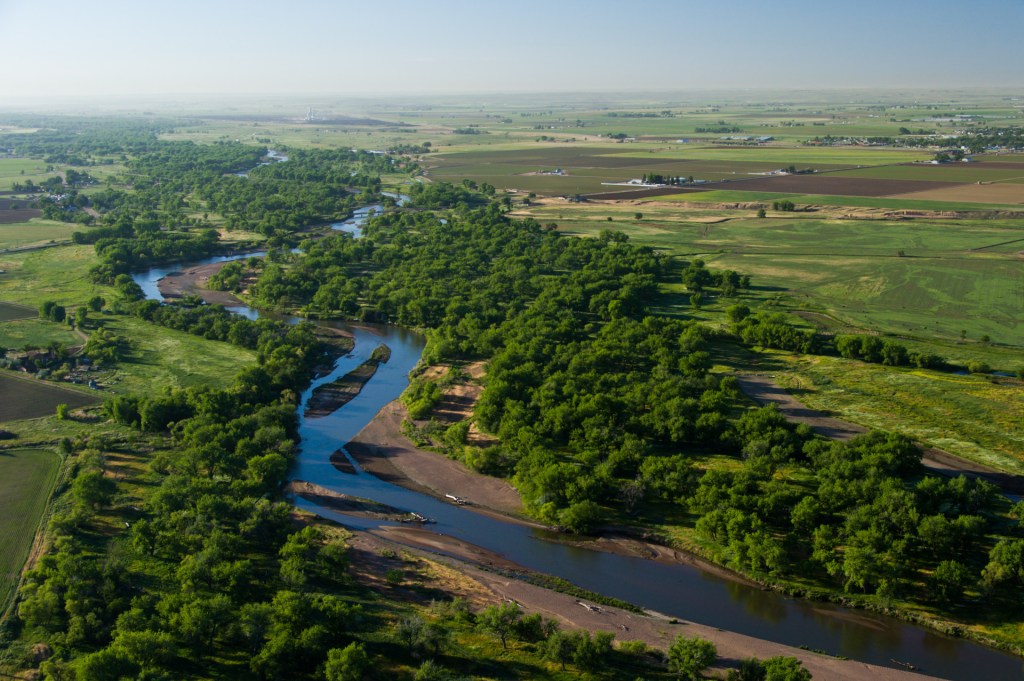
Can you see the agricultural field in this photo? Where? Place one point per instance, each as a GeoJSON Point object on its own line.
{"type": "Point", "coordinates": [953, 275]}
{"type": "Point", "coordinates": [29, 398]}
{"type": "Point", "coordinates": [26, 478]}
{"type": "Point", "coordinates": [13, 311]}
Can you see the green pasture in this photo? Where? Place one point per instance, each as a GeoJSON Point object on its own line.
{"type": "Point", "coordinates": [60, 274]}
{"type": "Point", "coordinates": [35, 333]}
{"type": "Point", "coordinates": [972, 416]}
{"type": "Point", "coordinates": [27, 477]}
{"type": "Point", "coordinates": [18, 170]}
{"type": "Point", "coordinates": [37, 232]}
{"type": "Point", "coordinates": [162, 357]}
{"type": "Point", "coordinates": [851, 269]}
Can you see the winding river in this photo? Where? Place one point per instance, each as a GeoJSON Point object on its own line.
{"type": "Point", "coordinates": [677, 590]}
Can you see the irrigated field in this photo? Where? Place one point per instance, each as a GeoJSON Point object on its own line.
{"type": "Point", "coordinates": [29, 398]}
{"type": "Point", "coordinates": [27, 233]}
{"type": "Point", "coordinates": [26, 478]}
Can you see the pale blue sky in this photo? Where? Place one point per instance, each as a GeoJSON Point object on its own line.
{"type": "Point", "coordinates": [143, 47]}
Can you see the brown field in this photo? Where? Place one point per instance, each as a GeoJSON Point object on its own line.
{"type": "Point", "coordinates": [1006, 192]}
{"type": "Point", "coordinates": [17, 210]}
{"type": "Point", "coordinates": [830, 185]}
{"type": "Point", "coordinates": [11, 311]}
{"type": "Point", "coordinates": [29, 398]}
{"type": "Point", "coordinates": [629, 194]}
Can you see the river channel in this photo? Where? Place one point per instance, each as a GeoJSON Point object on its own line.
{"type": "Point", "coordinates": [676, 590]}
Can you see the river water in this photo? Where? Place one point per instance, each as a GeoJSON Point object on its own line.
{"type": "Point", "coordinates": [677, 590]}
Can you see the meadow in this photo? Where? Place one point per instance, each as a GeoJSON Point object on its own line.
{"type": "Point", "coordinates": [26, 479]}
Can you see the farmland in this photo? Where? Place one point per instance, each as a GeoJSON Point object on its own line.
{"type": "Point", "coordinates": [29, 398]}
{"type": "Point", "coordinates": [26, 478]}
{"type": "Point", "coordinates": [13, 311]}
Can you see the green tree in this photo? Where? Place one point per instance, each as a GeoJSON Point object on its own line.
{"type": "Point", "coordinates": [782, 668]}
{"type": "Point", "coordinates": [499, 620]}
{"type": "Point", "coordinates": [62, 411]}
{"type": "Point", "coordinates": [688, 657]}
{"type": "Point", "coordinates": [347, 664]}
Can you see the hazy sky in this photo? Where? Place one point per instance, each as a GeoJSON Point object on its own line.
{"type": "Point", "coordinates": [342, 47]}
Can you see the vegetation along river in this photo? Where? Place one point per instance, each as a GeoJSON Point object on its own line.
{"type": "Point", "coordinates": [672, 589]}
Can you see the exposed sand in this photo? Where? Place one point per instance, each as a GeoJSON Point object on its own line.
{"type": "Point", "coordinates": [482, 588]}
{"type": "Point", "coordinates": [192, 282]}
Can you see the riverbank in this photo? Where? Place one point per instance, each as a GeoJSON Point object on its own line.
{"type": "Point", "coordinates": [482, 582]}
{"type": "Point", "coordinates": [382, 450]}
{"type": "Point", "coordinates": [192, 281]}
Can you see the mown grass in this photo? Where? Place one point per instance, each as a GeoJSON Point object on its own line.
{"type": "Point", "coordinates": [26, 479]}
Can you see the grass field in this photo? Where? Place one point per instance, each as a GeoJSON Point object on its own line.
{"type": "Point", "coordinates": [60, 274]}
{"type": "Point", "coordinates": [162, 358]}
{"type": "Point", "coordinates": [36, 232]}
{"type": "Point", "coordinates": [29, 398]}
{"type": "Point", "coordinates": [26, 479]}
{"type": "Point", "coordinates": [35, 333]}
{"type": "Point", "coordinates": [971, 416]}
{"type": "Point", "coordinates": [21, 169]}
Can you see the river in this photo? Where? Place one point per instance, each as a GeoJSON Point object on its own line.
{"type": "Point", "coordinates": [677, 590]}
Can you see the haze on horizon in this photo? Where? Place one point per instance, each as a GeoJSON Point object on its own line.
{"type": "Point", "coordinates": [125, 48]}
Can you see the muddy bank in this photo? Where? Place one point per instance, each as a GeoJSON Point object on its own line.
{"type": "Point", "coordinates": [383, 451]}
{"type": "Point", "coordinates": [192, 281]}
{"type": "Point", "coordinates": [484, 580]}
{"type": "Point", "coordinates": [348, 504]}
{"type": "Point", "coordinates": [330, 397]}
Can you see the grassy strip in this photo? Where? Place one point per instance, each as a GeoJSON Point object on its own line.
{"type": "Point", "coordinates": [27, 478]}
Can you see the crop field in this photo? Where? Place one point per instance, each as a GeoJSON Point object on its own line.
{"type": "Point", "coordinates": [29, 398]}
{"type": "Point", "coordinates": [26, 478]}
{"type": "Point", "coordinates": [831, 184]}
{"type": "Point", "coordinates": [1004, 193]}
{"type": "Point", "coordinates": [12, 311]}
{"type": "Point", "coordinates": [963, 173]}
{"type": "Point", "coordinates": [953, 275]}
{"type": "Point", "coordinates": [14, 209]}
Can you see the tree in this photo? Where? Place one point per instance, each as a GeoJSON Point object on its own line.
{"type": "Point", "coordinates": [559, 648]}
{"type": "Point", "coordinates": [62, 411]}
{"type": "Point", "coordinates": [347, 664]}
{"type": "Point", "coordinates": [499, 620]}
{"type": "Point", "coordinates": [949, 580]}
{"type": "Point", "coordinates": [688, 657]}
{"type": "Point", "coordinates": [96, 303]}
{"type": "Point", "coordinates": [91, 489]}
{"type": "Point", "coordinates": [761, 212]}
{"type": "Point", "coordinates": [782, 668]}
